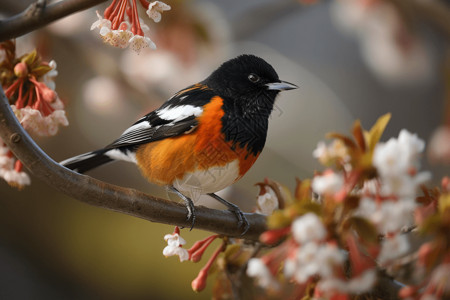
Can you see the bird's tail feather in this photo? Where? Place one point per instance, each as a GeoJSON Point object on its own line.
{"type": "Point", "coordinates": [87, 161]}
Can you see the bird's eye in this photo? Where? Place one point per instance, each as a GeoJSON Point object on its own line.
{"type": "Point", "coordinates": [253, 78]}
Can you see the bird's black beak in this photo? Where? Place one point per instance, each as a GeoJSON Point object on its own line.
{"type": "Point", "coordinates": [281, 86]}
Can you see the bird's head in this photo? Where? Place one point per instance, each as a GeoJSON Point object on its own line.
{"type": "Point", "coordinates": [246, 78]}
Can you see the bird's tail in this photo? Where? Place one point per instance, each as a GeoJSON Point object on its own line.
{"type": "Point", "coordinates": [87, 161]}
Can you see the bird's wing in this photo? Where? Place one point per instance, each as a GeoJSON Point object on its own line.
{"type": "Point", "coordinates": [175, 117]}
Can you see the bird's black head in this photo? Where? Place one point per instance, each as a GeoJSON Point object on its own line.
{"type": "Point", "coordinates": [248, 86]}
{"type": "Point", "coordinates": [248, 79]}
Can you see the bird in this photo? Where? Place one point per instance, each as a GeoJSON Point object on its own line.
{"type": "Point", "coordinates": [202, 139]}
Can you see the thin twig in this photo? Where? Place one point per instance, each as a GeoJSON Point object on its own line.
{"type": "Point", "coordinates": [39, 14]}
{"type": "Point", "coordinates": [95, 192]}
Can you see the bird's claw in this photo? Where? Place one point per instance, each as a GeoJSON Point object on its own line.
{"type": "Point", "coordinates": [242, 220]}
{"type": "Point", "coordinates": [191, 214]}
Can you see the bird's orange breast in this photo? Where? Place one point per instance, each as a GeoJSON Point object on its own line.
{"type": "Point", "coordinates": [165, 161]}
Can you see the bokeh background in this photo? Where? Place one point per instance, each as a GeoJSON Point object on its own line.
{"type": "Point", "coordinates": [352, 59]}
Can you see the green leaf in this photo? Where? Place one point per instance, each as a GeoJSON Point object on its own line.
{"type": "Point", "coordinates": [374, 135]}
{"type": "Point", "coordinates": [358, 134]}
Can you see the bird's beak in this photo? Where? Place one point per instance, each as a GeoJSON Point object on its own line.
{"type": "Point", "coordinates": [281, 86]}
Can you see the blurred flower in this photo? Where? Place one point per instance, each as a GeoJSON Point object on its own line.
{"type": "Point", "coordinates": [439, 145]}
{"type": "Point", "coordinates": [308, 228]}
{"type": "Point", "coordinates": [388, 47]}
{"type": "Point", "coordinates": [11, 169]}
{"type": "Point", "coordinates": [328, 183]}
{"type": "Point", "coordinates": [257, 269]}
{"type": "Point", "coordinates": [355, 285]}
{"type": "Point", "coordinates": [393, 247]}
{"type": "Point", "coordinates": [336, 152]}
{"type": "Point", "coordinates": [174, 245]}
{"type": "Point", "coordinates": [398, 156]}
{"type": "Point", "coordinates": [314, 259]}
{"type": "Point", "coordinates": [388, 215]}
{"type": "Point", "coordinates": [103, 96]}
{"type": "Point", "coordinates": [121, 26]}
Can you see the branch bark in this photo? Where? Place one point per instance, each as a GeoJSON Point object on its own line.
{"type": "Point", "coordinates": [95, 192]}
{"type": "Point", "coordinates": [38, 15]}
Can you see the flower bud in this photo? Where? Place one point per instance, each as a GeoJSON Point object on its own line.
{"type": "Point", "coordinates": [21, 70]}
{"type": "Point", "coordinates": [199, 283]}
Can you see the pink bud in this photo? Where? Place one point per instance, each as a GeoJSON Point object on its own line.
{"type": "Point", "coordinates": [21, 70]}
{"type": "Point", "coordinates": [273, 236]}
{"type": "Point", "coordinates": [199, 283]}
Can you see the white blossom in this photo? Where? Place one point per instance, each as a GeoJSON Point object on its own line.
{"type": "Point", "coordinates": [34, 122]}
{"type": "Point", "coordinates": [308, 228]}
{"type": "Point", "coordinates": [267, 202]}
{"type": "Point", "coordinates": [155, 9]}
{"type": "Point", "coordinates": [101, 22]}
{"type": "Point", "coordinates": [388, 215]}
{"type": "Point", "coordinates": [397, 162]}
{"type": "Point", "coordinates": [138, 42]}
{"type": "Point", "coordinates": [328, 183]}
{"type": "Point", "coordinates": [15, 178]}
{"type": "Point", "coordinates": [335, 151]}
{"type": "Point", "coordinates": [314, 259]}
{"type": "Point", "coordinates": [174, 247]}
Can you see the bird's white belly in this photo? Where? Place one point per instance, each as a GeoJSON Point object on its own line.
{"type": "Point", "coordinates": [207, 181]}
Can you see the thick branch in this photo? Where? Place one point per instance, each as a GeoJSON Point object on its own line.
{"type": "Point", "coordinates": [38, 15]}
{"type": "Point", "coordinates": [98, 193]}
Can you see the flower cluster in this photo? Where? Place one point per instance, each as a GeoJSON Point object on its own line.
{"type": "Point", "coordinates": [121, 26]}
{"type": "Point", "coordinates": [348, 222]}
{"type": "Point", "coordinates": [30, 88]}
{"type": "Point", "coordinates": [175, 248]}
{"type": "Point", "coordinates": [332, 236]}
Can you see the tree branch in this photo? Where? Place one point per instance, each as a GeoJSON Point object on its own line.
{"type": "Point", "coordinates": [39, 14]}
{"type": "Point", "coordinates": [95, 192]}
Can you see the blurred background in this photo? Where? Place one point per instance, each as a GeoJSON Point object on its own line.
{"type": "Point", "coordinates": [353, 59]}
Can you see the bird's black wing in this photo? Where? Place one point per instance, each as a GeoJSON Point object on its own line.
{"type": "Point", "coordinates": [176, 116]}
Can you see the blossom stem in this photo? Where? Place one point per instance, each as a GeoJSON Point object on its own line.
{"type": "Point", "coordinates": [214, 256]}
{"type": "Point", "coordinates": [112, 15]}
{"type": "Point", "coordinates": [110, 9]}
{"type": "Point", "coordinates": [136, 25]}
{"type": "Point", "coordinates": [120, 17]}
{"type": "Point", "coordinates": [20, 102]}
{"type": "Point", "coordinates": [11, 89]}
{"type": "Point", "coordinates": [196, 254]}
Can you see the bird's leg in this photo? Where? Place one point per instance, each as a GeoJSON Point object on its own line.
{"type": "Point", "coordinates": [189, 205]}
{"type": "Point", "coordinates": [242, 220]}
